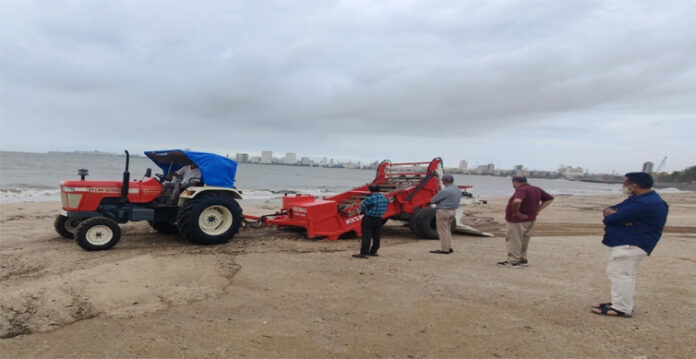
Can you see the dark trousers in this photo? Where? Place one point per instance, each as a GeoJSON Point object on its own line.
{"type": "Point", "coordinates": [371, 227]}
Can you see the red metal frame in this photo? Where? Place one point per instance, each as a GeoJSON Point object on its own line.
{"type": "Point", "coordinates": [407, 186]}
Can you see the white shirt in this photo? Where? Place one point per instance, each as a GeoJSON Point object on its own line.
{"type": "Point", "coordinates": [187, 173]}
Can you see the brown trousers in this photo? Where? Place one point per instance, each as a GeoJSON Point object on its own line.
{"type": "Point", "coordinates": [444, 218]}
{"type": "Point", "coordinates": [517, 238]}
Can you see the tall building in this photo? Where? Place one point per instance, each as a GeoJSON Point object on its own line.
{"type": "Point", "coordinates": [463, 165]}
{"type": "Point", "coordinates": [266, 156]}
{"type": "Point", "coordinates": [242, 157]}
{"type": "Point", "coordinates": [570, 172]}
{"type": "Point", "coordinates": [519, 170]}
{"type": "Point", "coordinates": [290, 158]}
{"type": "Point", "coordinates": [648, 167]}
{"type": "Point", "coordinates": [488, 169]}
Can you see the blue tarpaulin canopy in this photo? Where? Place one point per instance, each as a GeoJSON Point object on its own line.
{"type": "Point", "coordinates": [216, 170]}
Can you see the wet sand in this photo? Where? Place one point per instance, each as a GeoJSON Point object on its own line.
{"type": "Point", "coordinates": [273, 293]}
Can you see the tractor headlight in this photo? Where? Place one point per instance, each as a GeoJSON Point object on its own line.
{"type": "Point", "coordinates": [77, 189]}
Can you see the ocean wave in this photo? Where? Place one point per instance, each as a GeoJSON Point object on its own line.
{"type": "Point", "coordinates": [265, 194]}
{"type": "Point", "coordinates": [668, 190]}
{"type": "Point", "coordinates": [16, 195]}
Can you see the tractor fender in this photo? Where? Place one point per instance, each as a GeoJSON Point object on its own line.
{"type": "Point", "coordinates": [193, 191]}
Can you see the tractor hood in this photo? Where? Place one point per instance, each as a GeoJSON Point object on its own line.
{"type": "Point", "coordinates": [216, 170]}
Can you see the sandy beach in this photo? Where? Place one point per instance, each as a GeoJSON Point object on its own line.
{"type": "Point", "coordinates": [273, 293]}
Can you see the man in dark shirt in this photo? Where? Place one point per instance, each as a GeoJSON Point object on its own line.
{"type": "Point", "coordinates": [632, 230]}
{"type": "Point", "coordinates": [520, 214]}
{"type": "Point", "coordinates": [374, 208]}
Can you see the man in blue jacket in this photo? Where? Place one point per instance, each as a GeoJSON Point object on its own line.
{"type": "Point", "coordinates": [632, 229]}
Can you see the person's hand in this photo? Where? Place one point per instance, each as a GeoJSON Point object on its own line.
{"type": "Point", "coordinates": [520, 215]}
{"type": "Point", "coordinates": [609, 211]}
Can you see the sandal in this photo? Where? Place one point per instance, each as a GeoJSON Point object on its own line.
{"type": "Point", "coordinates": [601, 305]}
{"type": "Point", "coordinates": [610, 312]}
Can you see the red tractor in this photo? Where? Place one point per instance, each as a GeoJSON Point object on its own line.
{"type": "Point", "coordinates": [206, 212]}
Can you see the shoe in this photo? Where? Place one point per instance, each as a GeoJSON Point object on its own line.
{"type": "Point", "coordinates": [523, 262]}
{"type": "Point", "coordinates": [359, 256]}
{"type": "Point", "coordinates": [441, 252]}
{"type": "Point", "coordinates": [509, 264]}
{"type": "Point", "coordinates": [373, 254]}
{"type": "Point", "coordinates": [601, 305]}
{"type": "Point", "coordinates": [610, 312]}
{"type": "Point", "coordinates": [451, 250]}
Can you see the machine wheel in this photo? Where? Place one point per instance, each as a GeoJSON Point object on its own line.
{"type": "Point", "coordinates": [97, 234]}
{"type": "Point", "coordinates": [66, 226]}
{"type": "Point", "coordinates": [424, 223]}
{"type": "Point", "coordinates": [164, 227]}
{"type": "Point", "coordinates": [210, 218]}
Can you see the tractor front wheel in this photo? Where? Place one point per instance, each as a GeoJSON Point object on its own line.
{"type": "Point", "coordinates": [210, 218]}
{"type": "Point", "coordinates": [66, 226]}
{"type": "Point", "coordinates": [97, 234]}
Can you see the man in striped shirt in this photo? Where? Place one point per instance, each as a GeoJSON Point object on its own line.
{"type": "Point", "coordinates": [373, 207]}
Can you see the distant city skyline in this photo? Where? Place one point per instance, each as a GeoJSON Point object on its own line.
{"type": "Point", "coordinates": [567, 171]}
{"type": "Point", "coordinates": [290, 158]}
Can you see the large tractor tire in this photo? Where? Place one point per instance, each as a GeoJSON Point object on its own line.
{"type": "Point", "coordinates": [66, 226]}
{"type": "Point", "coordinates": [164, 227]}
{"type": "Point", "coordinates": [97, 234]}
{"type": "Point", "coordinates": [424, 223]}
{"type": "Point", "coordinates": [209, 218]}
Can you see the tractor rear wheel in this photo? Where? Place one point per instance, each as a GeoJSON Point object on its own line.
{"type": "Point", "coordinates": [164, 227]}
{"type": "Point", "coordinates": [424, 223]}
{"type": "Point", "coordinates": [97, 234]}
{"type": "Point", "coordinates": [209, 218]}
{"type": "Point", "coordinates": [66, 226]}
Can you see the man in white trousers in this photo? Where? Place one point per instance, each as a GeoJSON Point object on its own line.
{"type": "Point", "coordinates": [632, 230]}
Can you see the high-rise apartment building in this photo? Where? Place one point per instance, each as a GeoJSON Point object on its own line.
{"type": "Point", "coordinates": [648, 167]}
{"type": "Point", "coordinates": [463, 165]}
{"type": "Point", "coordinates": [266, 156]}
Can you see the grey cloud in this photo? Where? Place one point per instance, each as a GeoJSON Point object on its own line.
{"type": "Point", "coordinates": [322, 68]}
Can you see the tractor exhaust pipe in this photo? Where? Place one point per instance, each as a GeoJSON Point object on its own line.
{"type": "Point", "coordinates": [82, 172]}
{"type": "Point", "coordinates": [126, 180]}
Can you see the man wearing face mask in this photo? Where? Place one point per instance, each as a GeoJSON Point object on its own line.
{"type": "Point", "coordinates": [632, 229]}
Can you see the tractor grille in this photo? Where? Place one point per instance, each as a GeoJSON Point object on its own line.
{"type": "Point", "coordinates": [73, 200]}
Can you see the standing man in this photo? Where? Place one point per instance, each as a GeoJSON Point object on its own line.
{"type": "Point", "coordinates": [373, 207]}
{"type": "Point", "coordinates": [632, 229]}
{"type": "Point", "coordinates": [447, 201]}
{"type": "Point", "coordinates": [520, 214]}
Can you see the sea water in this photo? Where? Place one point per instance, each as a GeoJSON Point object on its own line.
{"type": "Point", "coordinates": [35, 177]}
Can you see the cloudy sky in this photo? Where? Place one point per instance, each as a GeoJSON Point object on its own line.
{"type": "Point", "coordinates": [605, 85]}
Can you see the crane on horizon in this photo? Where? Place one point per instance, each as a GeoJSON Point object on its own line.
{"type": "Point", "coordinates": [658, 170]}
